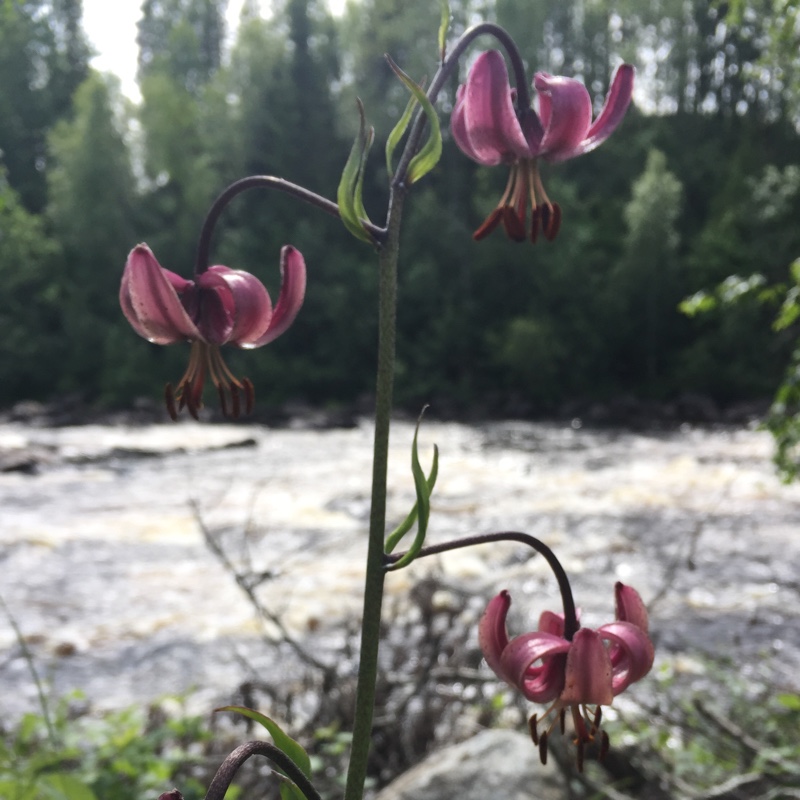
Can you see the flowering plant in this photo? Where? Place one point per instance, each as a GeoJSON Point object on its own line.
{"type": "Point", "coordinates": [574, 669]}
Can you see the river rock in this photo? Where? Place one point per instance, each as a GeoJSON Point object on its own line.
{"type": "Point", "coordinates": [495, 763]}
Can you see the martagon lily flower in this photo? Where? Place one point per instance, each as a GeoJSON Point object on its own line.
{"type": "Point", "coordinates": [576, 676]}
{"type": "Point", "coordinates": [488, 129]}
{"type": "Point", "coordinates": [220, 306]}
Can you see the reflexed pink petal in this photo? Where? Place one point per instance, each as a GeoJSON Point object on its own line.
{"type": "Point", "coordinates": [610, 116]}
{"type": "Point", "coordinates": [293, 291]}
{"type": "Point", "coordinates": [550, 622]}
{"type": "Point", "coordinates": [538, 683]}
{"type": "Point", "coordinates": [492, 634]}
{"type": "Point", "coordinates": [458, 125]}
{"type": "Point", "coordinates": [250, 304]}
{"type": "Point", "coordinates": [588, 672]}
{"type": "Point", "coordinates": [565, 110]}
{"type": "Point", "coordinates": [149, 299]}
{"type": "Point", "coordinates": [485, 124]}
{"type": "Point", "coordinates": [632, 656]}
{"type": "Point", "coordinates": [211, 305]}
{"type": "Point", "coordinates": [629, 606]}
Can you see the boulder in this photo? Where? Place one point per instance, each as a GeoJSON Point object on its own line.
{"type": "Point", "coordinates": [494, 764]}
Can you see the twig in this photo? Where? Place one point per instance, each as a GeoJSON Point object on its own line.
{"type": "Point", "coordinates": [248, 587]}
{"type": "Point", "coordinates": [28, 656]}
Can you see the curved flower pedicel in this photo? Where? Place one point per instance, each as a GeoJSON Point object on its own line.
{"type": "Point", "coordinates": [221, 306]}
{"type": "Point", "coordinates": [578, 676]}
{"type": "Point", "coordinates": [489, 130]}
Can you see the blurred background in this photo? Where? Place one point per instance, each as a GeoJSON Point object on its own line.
{"type": "Point", "coordinates": [162, 570]}
{"type": "Point", "coordinates": [701, 182]}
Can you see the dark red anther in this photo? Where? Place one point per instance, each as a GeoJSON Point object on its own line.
{"type": "Point", "coordinates": [543, 748]}
{"type": "Point", "coordinates": [169, 398]}
{"type": "Point", "coordinates": [489, 224]}
{"type": "Point", "coordinates": [533, 723]}
{"type": "Point", "coordinates": [249, 395]}
{"type": "Point", "coordinates": [535, 218]}
{"type": "Point", "coordinates": [604, 746]}
{"type": "Point", "coordinates": [222, 400]}
{"type": "Point", "coordinates": [514, 224]}
{"type": "Point", "coordinates": [235, 400]}
{"type": "Point", "coordinates": [579, 748]}
{"type": "Point", "coordinates": [562, 720]}
{"type": "Point", "coordinates": [551, 221]}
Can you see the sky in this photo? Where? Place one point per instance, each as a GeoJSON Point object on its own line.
{"type": "Point", "coordinates": [111, 29]}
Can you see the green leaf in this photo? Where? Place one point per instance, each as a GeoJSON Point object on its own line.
{"type": "Point", "coordinates": [423, 504]}
{"type": "Point", "coordinates": [698, 303]}
{"type": "Point", "coordinates": [430, 153]}
{"type": "Point", "coordinates": [443, 26]}
{"type": "Point", "coordinates": [283, 741]}
{"type": "Point", "coordinates": [794, 270]}
{"type": "Point", "coordinates": [398, 131]}
{"type": "Point", "coordinates": [350, 191]}
{"type": "Point", "coordinates": [790, 701]}
{"type": "Point", "coordinates": [393, 539]}
{"type": "Point", "coordinates": [62, 786]}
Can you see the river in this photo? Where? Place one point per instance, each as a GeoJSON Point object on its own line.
{"type": "Point", "coordinates": [108, 576]}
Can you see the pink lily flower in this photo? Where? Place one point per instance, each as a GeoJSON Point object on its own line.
{"type": "Point", "coordinates": [578, 676]}
{"type": "Point", "coordinates": [220, 306]}
{"type": "Point", "coordinates": [490, 131]}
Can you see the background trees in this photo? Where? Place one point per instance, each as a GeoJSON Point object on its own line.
{"type": "Point", "coordinates": [699, 183]}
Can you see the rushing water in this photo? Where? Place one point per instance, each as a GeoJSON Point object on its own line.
{"type": "Point", "coordinates": [106, 572]}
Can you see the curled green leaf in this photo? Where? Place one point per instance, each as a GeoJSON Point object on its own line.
{"type": "Point", "coordinates": [430, 153]}
{"type": "Point", "coordinates": [398, 132]}
{"type": "Point", "coordinates": [349, 195]}
{"type": "Point", "coordinates": [443, 26]}
{"type": "Point", "coordinates": [422, 508]}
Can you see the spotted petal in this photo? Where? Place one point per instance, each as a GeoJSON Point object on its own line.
{"type": "Point", "coordinates": [149, 299]}
{"type": "Point", "coordinates": [484, 122]}
{"type": "Point", "coordinates": [543, 682]}
{"type": "Point", "coordinates": [630, 607]}
{"type": "Point", "coordinates": [293, 291]}
{"type": "Point", "coordinates": [492, 633]}
{"type": "Point", "coordinates": [588, 676]}
{"type": "Point", "coordinates": [631, 655]}
{"type": "Point", "coordinates": [249, 301]}
{"type": "Point", "coordinates": [565, 111]}
{"type": "Point", "coordinates": [569, 112]}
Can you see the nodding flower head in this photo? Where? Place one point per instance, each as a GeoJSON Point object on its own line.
{"type": "Point", "coordinates": [220, 306]}
{"type": "Point", "coordinates": [489, 130]}
{"type": "Point", "coordinates": [575, 676]}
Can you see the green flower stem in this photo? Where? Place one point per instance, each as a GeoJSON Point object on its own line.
{"type": "Point", "coordinates": [373, 585]}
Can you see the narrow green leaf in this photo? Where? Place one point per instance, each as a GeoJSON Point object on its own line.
{"type": "Point", "coordinates": [289, 791]}
{"type": "Point", "coordinates": [397, 133]}
{"type": "Point", "coordinates": [283, 741]}
{"type": "Point", "coordinates": [393, 539]}
{"type": "Point", "coordinates": [358, 197]}
{"type": "Point", "coordinates": [430, 153]}
{"type": "Point", "coordinates": [349, 192]}
{"type": "Point", "coordinates": [423, 505]}
{"type": "Point", "coordinates": [443, 26]}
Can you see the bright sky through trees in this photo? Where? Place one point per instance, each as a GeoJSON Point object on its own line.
{"type": "Point", "coordinates": [111, 28]}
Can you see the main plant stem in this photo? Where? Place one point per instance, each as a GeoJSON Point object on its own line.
{"type": "Point", "coordinates": [373, 584]}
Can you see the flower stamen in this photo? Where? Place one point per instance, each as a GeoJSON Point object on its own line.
{"type": "Point", "coordinates": [189, 392]}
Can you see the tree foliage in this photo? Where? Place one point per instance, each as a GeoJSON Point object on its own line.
{"type": "Point", "coordinates": [699, 183]}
